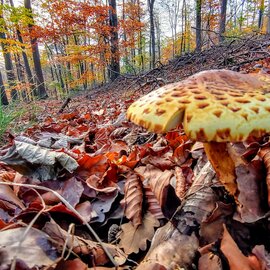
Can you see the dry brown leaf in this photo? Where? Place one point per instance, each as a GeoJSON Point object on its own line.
{"type": "Point", "coordinates": [35, 250]}
{"type": "Point", "coordinates": [265, 155]}
{"type": "Point", "coordinates": [8, 195]}
{"type": "Point", "coordinates": [263, 256]}
{"type": "Point", "coordinates": [153, 205]}
{"type": "Point", "coordinates": [249, 181]}
{"type": "Point", "coordinates": [209, 261]}
{"type": "Point", "coordinates": [75, 264]}
{"type": "Point", "coordinates": [83, 246]}
{"type": "Point", "coordinates": [158, 180]}
{"type": "Point", "coordinates": [180, 186]}
{"type": "Point", "coordinates": [37, 162]}
{"type": "Point", "coordinates": [133, 238]}
{"type": "Point", "coordinates": [236, 259]}
{"type": "Point", "coordinates": [133, 199]}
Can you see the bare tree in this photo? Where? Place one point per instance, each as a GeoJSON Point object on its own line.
{"type": "Point", "coordinates": [7, 57]}
{"type": "Point", "coordinates": [268, 19]}
{"type": "Point", "coordinates": [3, 100]}
{"type": "Point", "coordinates": [158, 36]}
{"type": "Point", "coordinates": [222, 21]}
{"type": "Point", "coordinates": [261, 10]}
{"type": "Point", "coordinates": [198, 25]}
{"type": "Point", "coordinates": [41, 93]}
{"type": "Point", "coordinates": [115, 65]}
{"type": "Point", "coordinates": [152, 33]}
{"type": "Point", "coordinates": [28, 71]}
{"type": "Point", "coordinates": [173, 9]}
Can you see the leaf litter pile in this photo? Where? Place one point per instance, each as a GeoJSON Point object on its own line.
{"type": "Point", "coordinates": [86, 189]}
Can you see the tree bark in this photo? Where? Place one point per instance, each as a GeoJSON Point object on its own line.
{"type": "Point", "coordinates": [114, 70]}
{"type": "Point", "coordinates": [261, 10]}
{"type": "Point", "coordinates": [222, 22]}
{"type": "Point", "coordinates": [152, 33]}
{"type": "Point", "coordinates": [4, 100]}
{"type": "Point", "coordinates": [8, 61]}
{"type": "Point", "coordinates": [27, 67]}
{"type": "Point", "coordinates": [268, 19]}
{"type": "Point", "coordinates": [41, 90]}
{"type": "Point", "coordinates": [198, 25]}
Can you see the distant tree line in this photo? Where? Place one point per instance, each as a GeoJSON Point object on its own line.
{"type": "Point", "coordinates": [58, 46]}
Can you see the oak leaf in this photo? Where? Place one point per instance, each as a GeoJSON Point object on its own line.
{"type": "Point", "coordinates": [134, 238]}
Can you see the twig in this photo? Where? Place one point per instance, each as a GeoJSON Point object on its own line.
{"type": "Point", "coordinates": [64, 105]}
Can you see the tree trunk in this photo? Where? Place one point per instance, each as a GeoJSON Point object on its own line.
{"type": "Point", "coordinates": [261, 10]}
{"type": "Point", "coordinates": [3, 100]}
{"type": "Point", "coordinates": [158, 38]}
{"type": "Point", "coordinates": [8, 61]}
{"type": "Point", "coordinates": [198, 25]}
{"type": "Point", "coordinates": [28, 71]}
{"type": "Point", "coordinates": [41, 93]}
{"type": "Point", "coordinates": [222, 22]}
{"type": "Point", "coordinates": [114, 71]}
{"type": "Point", "coordinates": [152, 33]}
{"type": "Point", "coordinates": [268, 19]}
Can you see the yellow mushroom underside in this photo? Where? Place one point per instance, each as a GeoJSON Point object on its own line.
{"type": "Point", "coordinates": [214, 105]}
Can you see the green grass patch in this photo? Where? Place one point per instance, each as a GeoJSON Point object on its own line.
{"type": "Point", "coordinates": [8, 114]}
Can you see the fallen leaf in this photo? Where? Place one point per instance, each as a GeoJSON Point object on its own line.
{"type": "Point", "coordinates": [83, 246]}
{"type": "Point", "coordinates": [133, 199]}
{"type": "Point", "coordinates": [236, 259]}
{"type": "Point", "coordinates": [35, 250]}
{"type": "Point", "coordinates": [75, 264]}
{"type": "Point", "coordinates": [133, 239]}
{"type": "Point", "coordinates": [37, 162]}
{"type": "Point", "coordinates": [264, 153]}
{"type": "Point", "coordinates": [263, 256]}
{"type": "Point", "coordinates": [249, 181]}
{"type": "Point", "coordinates": [209, 261]}
{"type": "Point", "coordinates": [158, 180]}
{"type": "Point", "coordinates": [8, 195]}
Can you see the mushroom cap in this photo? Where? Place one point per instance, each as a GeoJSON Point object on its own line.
{"type": "Point", "coordinates": [214, 105]}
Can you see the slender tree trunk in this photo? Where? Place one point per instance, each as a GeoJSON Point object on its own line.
{"type": "Point", "coordinates": [152, 33]}
{"type": "Point", "coordinates": [114, 71]}
{"type": "Point", "coordinates": [158, 37]}
{"type": "Point", "coordinates": [261, 10]}
{"type": "Point", "coordinates": [8, 60]}
{"type": "Point", "coordinates": [198, 25]}
{"type": "Point", "coordinates": [28, 71]}
{"type": "Point", "coordinates": [4, 100]}
{"type": "Point", "coordinates": [60, 73]}
{"type": "Point", "coordinates": [41, 93]}
{"type": "Point", "coordinates": [268, 19]}
{"type": "Point", "coordinates": [140, 50]}
{"type": "Point", "coordinates": [222, 21]}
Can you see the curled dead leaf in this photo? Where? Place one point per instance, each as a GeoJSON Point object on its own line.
{"type": "Point", "coordinates": [264, 153]}
{"type": "Point", "coordinates": [133, 199]}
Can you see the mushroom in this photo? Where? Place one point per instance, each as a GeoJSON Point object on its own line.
{"type": "Point", "coordinates": [215, 107]}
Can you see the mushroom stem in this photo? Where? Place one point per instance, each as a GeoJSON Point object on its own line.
{"type": "Point", "coordinates": [221, 161]}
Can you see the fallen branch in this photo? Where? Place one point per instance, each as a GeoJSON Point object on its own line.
{"type": "Point", "coordinates": [64, 105]}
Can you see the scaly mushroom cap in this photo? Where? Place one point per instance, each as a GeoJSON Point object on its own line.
{"type": "Point", "coordinates": [214, 105]}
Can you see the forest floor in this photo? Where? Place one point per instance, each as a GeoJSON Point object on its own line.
{"type": "Point", "coordinates": [88, 165]}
